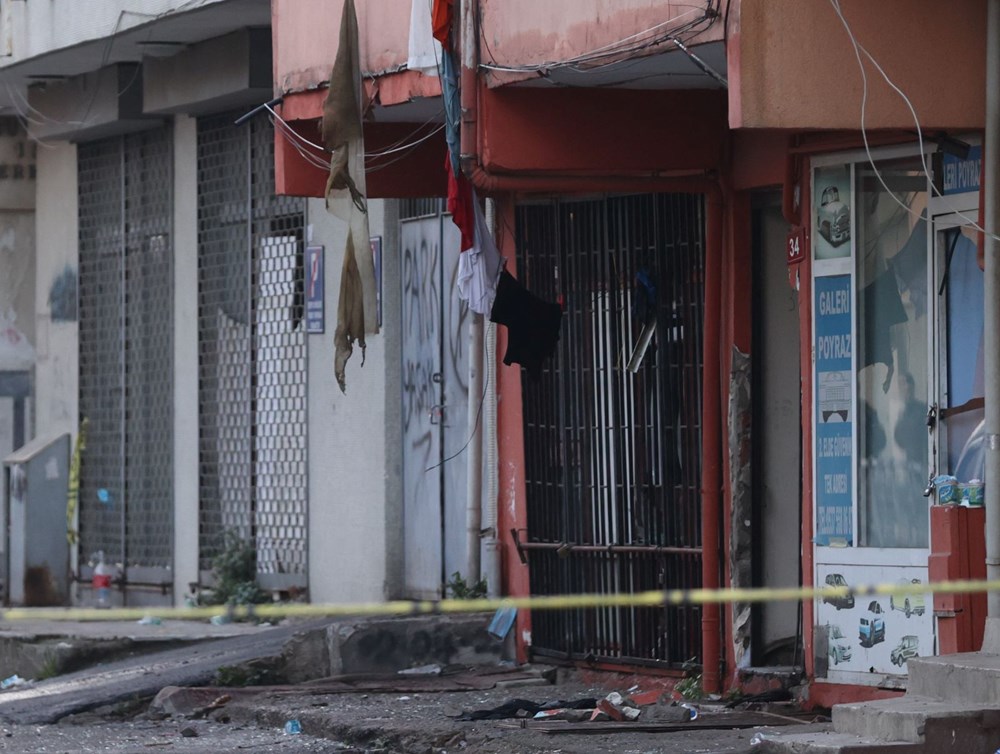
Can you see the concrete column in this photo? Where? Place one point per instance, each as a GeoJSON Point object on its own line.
{"type": "Point", "coordinates": [57, 242]}
{"type": "Point", "coordinates": [185, 356]}
{"type": "Point", "coordinates": [391, 337]}
{"type": "Point", "coordinates": [347, 437]}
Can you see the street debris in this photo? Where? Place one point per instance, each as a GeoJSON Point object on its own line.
{"type": "Point", "coordinates": [502, 621]}
{"type": "Point", "coordinates": [433, 669]}
{"type": "Point", "coordinates": [12, 681]}
{"type": "Point", "coordinates": [189, 732]}
{"type": "Point", "coordinates": [293, 728]}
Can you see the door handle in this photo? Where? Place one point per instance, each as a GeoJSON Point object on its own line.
{"type": "Point", "coordinates": [930, 485]}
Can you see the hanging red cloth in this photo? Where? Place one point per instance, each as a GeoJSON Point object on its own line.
{"type": "Point", "coordinates": [441, 18]}
{"type": "Point", "coordinates": [460, 203]}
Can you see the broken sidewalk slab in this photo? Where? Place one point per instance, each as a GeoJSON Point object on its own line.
{"type": "Point", "coordinates": [31, 648]}
{"type": "Point", "coordinates": [141, 677]}
{"type": "Point", "coordinates": [186, 701]}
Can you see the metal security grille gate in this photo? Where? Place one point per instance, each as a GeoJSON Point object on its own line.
{"type": "Point", "coordinates": [612, 457]}
{"type": "Point", "coordinates": [252, 354]}
{"type": "Point", "coordinates": [126, 358]}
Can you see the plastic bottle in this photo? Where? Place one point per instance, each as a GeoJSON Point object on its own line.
{"type": "Point", "coordinates": [101, 582]}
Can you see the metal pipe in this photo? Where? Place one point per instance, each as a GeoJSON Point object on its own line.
{"type": "Point", "coordinates": [491, 565]}
{"type": "Point", "coordinates": [711, 446]}
{"type": "Point", "coordinates": [474, 470]}
{"type": "Point", "coordinates": [991, 306]}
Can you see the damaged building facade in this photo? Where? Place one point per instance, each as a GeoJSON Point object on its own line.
{"type": "Point", "coordinates": [759, 304]}
{"type": "Point", "coordinates": [766, 289]}
{"type": "Point", "coordinates": [162, 305]}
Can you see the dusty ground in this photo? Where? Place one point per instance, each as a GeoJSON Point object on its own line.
{"type": "Point", "coordinates": [358, 722]}
{"type": "Point", "coordinates": [420, 723]}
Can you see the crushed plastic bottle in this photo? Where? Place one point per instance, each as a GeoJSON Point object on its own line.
{"type": "Point", "coordinates": [293, 727]}
{"type": "Point", "coordinates": [9, 683]}
{"type": "Point", "coordinates": [757, 740]}
{"type": "Point", "coordinates": [692, 709]}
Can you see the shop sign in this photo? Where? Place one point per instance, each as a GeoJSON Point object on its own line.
{"type": "Point", "coordinates": [834, 402]}
{"type": "Point", "coordinates": [315, 300]}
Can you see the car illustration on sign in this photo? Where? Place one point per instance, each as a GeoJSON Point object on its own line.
{"type": "Point", "coordinates": [840, 650]}
{"type": "Point", "coordinates": [871, 627]}
{"type": "Point", "coordinates": [909, 603]}
{"type": "Point", "coordinates": [835, 395]}
{"type": "Point", "coordinates": [903, 651]}
{"type": "Point", "coordinates": [834, 217]}
{"type": "Point", "coordinates": [838, 600]}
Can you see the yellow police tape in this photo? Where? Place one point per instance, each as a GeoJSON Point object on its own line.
{"type": "Point", "coordinates": [535, 602]}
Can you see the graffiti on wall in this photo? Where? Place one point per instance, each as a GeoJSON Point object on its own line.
{"type": "Point", "coordinates": [62, 296]}
{"type": "Point", "coordinates": [421, 325]}
{"type": "Point", "coordinates": [17, 284]}
{"type": "Point", "coordinates": [435, 403]}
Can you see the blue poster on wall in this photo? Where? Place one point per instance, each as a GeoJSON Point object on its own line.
{"type": "Point", "coordinates": [315, 287]}
{"type": "Point", "coordinates": [834, 404]}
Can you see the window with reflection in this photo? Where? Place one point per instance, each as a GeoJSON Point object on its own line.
{"type": "Point", "coordinates": [892, 353]}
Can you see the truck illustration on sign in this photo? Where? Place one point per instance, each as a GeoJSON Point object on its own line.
{"type": "Point", "coordinates": [871, 627]}
{"type": "Point", "coordinates": [903, 651]}
{"type": "Point", "coordinates": [834, 217]}
{"type": "Point", "coordinates": [909, 603]}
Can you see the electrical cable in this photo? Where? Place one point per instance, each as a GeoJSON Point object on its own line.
{"type": "Point", "coordinates": [612, 49]}
{"type": "Point", "coordinates": [394, 148]}
{"type": "Point", "coordinates": [858, 49]}
{"type": "Point", "coordinates": [479, 413]}
{"type": "Point", "coordinates": [105, 59]}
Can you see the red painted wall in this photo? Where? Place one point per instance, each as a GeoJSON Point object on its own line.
{"type": "Point", "coordinates": [415, 173]}
{"type": "Point", "coordinates": [512, 508]}
{"type": "Point", "coordinates": [611, 131]}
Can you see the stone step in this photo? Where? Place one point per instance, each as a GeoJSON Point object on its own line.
{"type": "Point", "coordinates": [915, 719]}
{"type": "Point", "coordinates": [971, 678]}
{"type": "Point", "coordinates": [831, 742]}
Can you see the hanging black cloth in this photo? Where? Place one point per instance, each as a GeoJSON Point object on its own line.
{"type": "Point", "coordinates": [532, 324]}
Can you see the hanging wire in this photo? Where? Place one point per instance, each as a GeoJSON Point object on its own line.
{"type": "Point", "coordinates": [479, 411]}
{"type": "Point", "coordinates": [591, 60]}
{"type": "Point", "coordinates": [23, 111]}
{"type": "Point", "coordinates": [858, 50]}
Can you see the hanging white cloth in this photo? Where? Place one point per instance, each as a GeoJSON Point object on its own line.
{"type": "Point", "coordinates": [479, 267]}
{"type": "Point", "coordinates": [424, 51]}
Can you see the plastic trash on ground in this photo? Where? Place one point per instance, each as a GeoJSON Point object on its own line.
{"type": "Point", "coordinates": [293, 727]}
